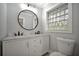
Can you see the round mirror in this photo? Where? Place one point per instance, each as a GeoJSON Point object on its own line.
{"type": "Point", "coordinates": [27, 19]}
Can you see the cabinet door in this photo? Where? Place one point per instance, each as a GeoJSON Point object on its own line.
{"type": "Point", "coordinates": [45, 43]}
{"type": "Point", "coordinates": [35, 47]}
{"type": "Point", "coordinates": [15, 48]}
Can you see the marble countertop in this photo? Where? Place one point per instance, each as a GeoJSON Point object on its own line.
{"type": "Point", "coordinates": [25, 37]}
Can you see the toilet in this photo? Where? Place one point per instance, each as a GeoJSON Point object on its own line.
{"type": "Point", "coordinates": [64, 46]}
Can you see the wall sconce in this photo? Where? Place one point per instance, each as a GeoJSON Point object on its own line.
{"type": "Point", "coordinates": [27, 6]}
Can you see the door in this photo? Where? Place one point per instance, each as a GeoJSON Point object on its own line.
{"type": "Point", "coordinates": [15, 48]}
{"type": "Point", "coordinates": [35, 46]}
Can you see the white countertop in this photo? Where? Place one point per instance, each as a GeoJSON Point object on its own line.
{"type": "Point", "coordinates": [24, 37]}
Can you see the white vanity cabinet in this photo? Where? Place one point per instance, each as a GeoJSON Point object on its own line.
{"type": "Point", "coordinates": [38, 46]}
{"type": "Point", "coordinates": [15, 48]}
{"type": "Point", "coordinates": [35, 46]}
{"type": "Point", "coordinates": [32, 46]}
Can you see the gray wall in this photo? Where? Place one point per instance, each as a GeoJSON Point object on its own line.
{"type": "Point", "coordinates": [13, 27]}
{"type": "Point", "coordinates": [3, 22]}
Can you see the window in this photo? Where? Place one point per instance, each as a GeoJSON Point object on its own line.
{"type": "Point", "coordinates": [58, 18]}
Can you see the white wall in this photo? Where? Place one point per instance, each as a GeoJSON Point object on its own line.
{"type": "Point", "coordinates": [13, 27]}
{"type": "Point", "coordinates": [3, 22]}
{"type": "Point", "coordinates": [76, 26]}
{"type": "Point", "coordinates": [75, 30]}
{"type": "Point", "coordinates": [44, 16]}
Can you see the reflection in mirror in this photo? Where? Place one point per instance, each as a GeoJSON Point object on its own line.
{"type": "Point", "coordinates": [28, 19]}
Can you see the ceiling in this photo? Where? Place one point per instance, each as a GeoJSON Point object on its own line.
{"type": "Point", "coordinates": [42, 5]}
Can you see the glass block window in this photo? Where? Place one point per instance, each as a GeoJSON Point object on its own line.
{"type": "Point", "coordinates": [57, 18]}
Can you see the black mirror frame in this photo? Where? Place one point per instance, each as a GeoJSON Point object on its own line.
{"type": "Point", "coordinates": [21, 25]}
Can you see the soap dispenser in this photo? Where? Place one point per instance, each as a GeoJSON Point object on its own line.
{"type": "Point", "coordinates": [22, 34]}
{"type": "Point", "coordinates": [18, 33]}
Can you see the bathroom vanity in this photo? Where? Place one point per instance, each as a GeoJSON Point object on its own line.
{"type": "Point", "coordinates": [31, 45]}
